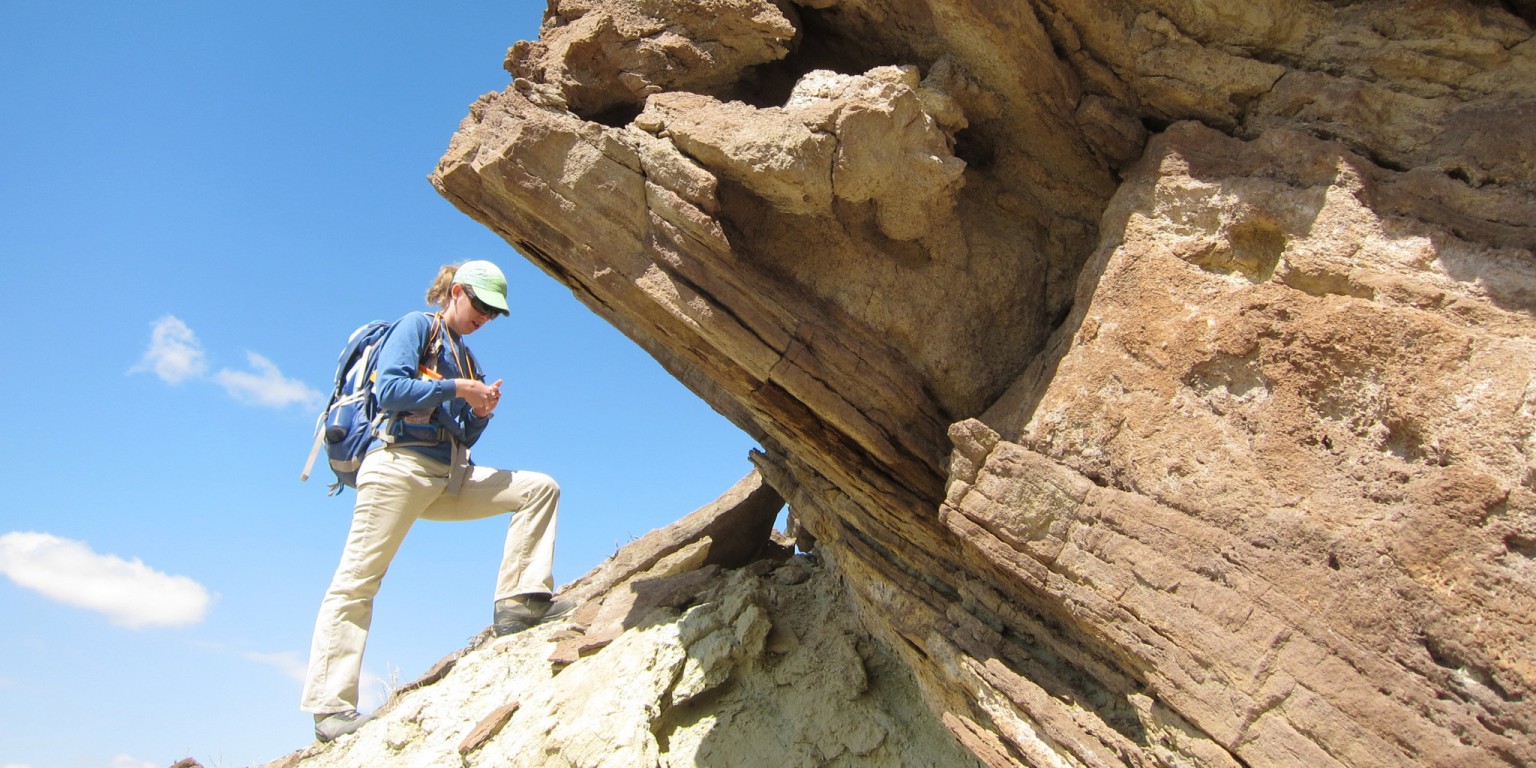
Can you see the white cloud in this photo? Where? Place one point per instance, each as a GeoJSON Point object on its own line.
{"type": "Point", "coordinates": [266, 386]}
{"type": "Point", "coordinates": [16, 765]}
{"type": "Point", "coordinates": [174, 353]}
{"type": "Point", "coordinates": [124, 761]}
{"type": "Point", "coordinates": [290, 663]}
{"type": "Point", "coordinates": [129, 593]}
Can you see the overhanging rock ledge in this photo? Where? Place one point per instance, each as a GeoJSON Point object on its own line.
{"type": "Point", "coordinates": [1155, 376]}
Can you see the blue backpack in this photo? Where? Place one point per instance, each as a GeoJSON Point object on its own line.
{"type": "Point", "coordinates": [352, 417]}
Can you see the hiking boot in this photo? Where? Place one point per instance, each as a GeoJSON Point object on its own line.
{"type": "Point", "coordinates": [516, 614]}
{"type": "Point", "coordinates": [337, 724]}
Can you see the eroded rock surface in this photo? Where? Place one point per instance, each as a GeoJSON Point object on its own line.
{"type": "Point", "coordinates": [1155, 376]}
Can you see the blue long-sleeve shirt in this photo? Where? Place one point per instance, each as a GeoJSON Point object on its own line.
{"type": "Point", "coordinates": [421, 401]}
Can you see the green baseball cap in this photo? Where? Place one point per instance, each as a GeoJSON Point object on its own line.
{"type": "Point", "coordinates": [489, 285]}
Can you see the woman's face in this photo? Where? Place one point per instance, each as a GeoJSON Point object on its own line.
{"type": "Point", "coordinates": [462, 316]}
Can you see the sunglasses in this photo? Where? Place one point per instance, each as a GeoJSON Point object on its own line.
{"type": "Point", "coordinates": [480, 306]}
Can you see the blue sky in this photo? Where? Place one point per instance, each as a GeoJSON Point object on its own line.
{"type": "Point", "coordinates": [198, 202]}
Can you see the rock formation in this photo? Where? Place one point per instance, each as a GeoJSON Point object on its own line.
{"type": "Point", "coordinates": [1155, 377]}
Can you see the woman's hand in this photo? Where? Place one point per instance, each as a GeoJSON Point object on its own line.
{"type": "Point", "coordinates": [482, 398]}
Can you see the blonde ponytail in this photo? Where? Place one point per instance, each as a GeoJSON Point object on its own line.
{"type": "Point", "coordinates": [440, 292]}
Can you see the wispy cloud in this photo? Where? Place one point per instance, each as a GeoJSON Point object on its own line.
{"type": "Point", "coordinates": [265, 385]}
{"type": "Point", "coordinates": [128, 592]}
{"type": "Point", "coordinates": [290, 663]}
{"type": "Point", "coordinates": [124, 761]}
{"type": "Point", "coordinates": [175, 355]}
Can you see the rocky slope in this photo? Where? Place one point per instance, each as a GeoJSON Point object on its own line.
{"type": "Point", "coordinates": [1154, 376]}
{"type": "Point", "coordinates": [703, 643]}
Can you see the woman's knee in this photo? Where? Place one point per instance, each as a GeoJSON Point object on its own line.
{"type": "Point", "coordinates": [539, 484]}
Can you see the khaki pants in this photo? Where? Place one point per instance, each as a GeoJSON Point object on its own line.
{"type": "Point", "coordinates": [395, 487]}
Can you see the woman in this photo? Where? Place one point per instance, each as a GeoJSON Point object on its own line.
{"type": "Point", "coordinates": [419, 468]}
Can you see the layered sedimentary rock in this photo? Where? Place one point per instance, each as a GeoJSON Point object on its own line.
{"type": "Point", "coordinates": [1155, 377]}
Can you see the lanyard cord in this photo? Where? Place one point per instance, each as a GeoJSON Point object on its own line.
{"type": "Point", "coordinates": [460, 359]}
{"type": "Point", "coordinates": [459, 452]}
